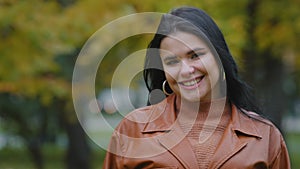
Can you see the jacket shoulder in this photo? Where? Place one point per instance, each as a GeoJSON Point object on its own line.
{"type": "Point", "coordinates": [144, 114]}
{"type": "Point", "coordinates": [138, 118]}
{"type": "Point", "coordinates": [264, 124]}
{"type": "Point", "coordinates": [258, 118]}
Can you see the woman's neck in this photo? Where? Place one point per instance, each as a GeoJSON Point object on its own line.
{"type": "Point", "coordinates": [193, 110]}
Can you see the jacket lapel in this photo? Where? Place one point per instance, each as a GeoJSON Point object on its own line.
{"type": "Point", "coordinates": [179, 146]}
{"type": "Point", "coordinates": [230, 143]}
{"type": "Point", "coordinates": [228, 147]}
{"type": "Point", "coordinates": [173, 140]}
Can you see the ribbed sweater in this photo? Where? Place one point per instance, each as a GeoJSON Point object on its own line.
{"type": "Point", "coordinates": [204, 148]}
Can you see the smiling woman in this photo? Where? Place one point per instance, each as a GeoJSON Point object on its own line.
{"type": "Point", "coordinates": [209, 118]}
{"type": "Point", "coordinates": [190, 71]}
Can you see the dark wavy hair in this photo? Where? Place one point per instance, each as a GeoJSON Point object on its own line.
{"type": "Point", "coordinates": [203, 26]}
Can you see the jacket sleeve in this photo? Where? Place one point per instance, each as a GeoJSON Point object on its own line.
{"type": "Point", "coordinates": [282, 160]}
{"type": "Point", "coordinates": [113, 158]}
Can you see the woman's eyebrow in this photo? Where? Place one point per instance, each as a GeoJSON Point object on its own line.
{"type": "Point", "coordinates": [194, 50]}
{"type": "Point", "coordinates": [169, 57]}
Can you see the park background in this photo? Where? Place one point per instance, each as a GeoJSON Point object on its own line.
{"type": "Point", "coordinates": [40, 41]}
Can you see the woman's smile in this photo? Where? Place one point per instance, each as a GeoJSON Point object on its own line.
{"type": "Point", "coordinates": [191, 84]}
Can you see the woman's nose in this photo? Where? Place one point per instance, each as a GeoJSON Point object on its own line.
{"type": "Point", "coordinates": [187, 68]}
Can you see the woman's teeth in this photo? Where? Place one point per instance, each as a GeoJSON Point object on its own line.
{"type": "Point", "coordinates": [192, 82]}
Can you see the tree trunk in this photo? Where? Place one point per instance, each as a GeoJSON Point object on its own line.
{"type": "Point", "coordinates": [272, 89]}
{"type": "Point", "coordinates": [78, 153]}
{"type": "Point", "coordinates": [263, 71]}
{"type": "Point", "coordinates": [36, 154]}
{"type": "Point", "coordinates": [31, 134]}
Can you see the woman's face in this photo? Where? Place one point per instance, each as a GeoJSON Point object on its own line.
{"type": "Point", "coordinates": [190, 67]}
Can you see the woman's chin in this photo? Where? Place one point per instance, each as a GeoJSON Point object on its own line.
{"type": "Point", "coordinates": [191, 97]}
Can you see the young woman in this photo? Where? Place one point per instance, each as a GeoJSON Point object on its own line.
{"type": "Point", "coordinates": [209, 118]}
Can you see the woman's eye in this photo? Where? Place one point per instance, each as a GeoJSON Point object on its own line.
{"type": "Point", "coordinates": [196, 55]}
{"type": "Point", "coordinates": [172, 62]}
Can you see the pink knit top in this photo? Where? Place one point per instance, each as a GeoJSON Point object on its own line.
{"type": "Point", "coordinates": [204, 148]}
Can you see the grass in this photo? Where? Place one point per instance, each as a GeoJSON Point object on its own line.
{"type": "Point", "coordinates": [54, 156]}
{"type": "Point", "coordinates": [18, 158]}
{"type": "Point", "coordinates": [293, 143]}
{"type": "Point", "coordinates": [11, 158]}
{"type": "Point", "coordinates": [14, 159]}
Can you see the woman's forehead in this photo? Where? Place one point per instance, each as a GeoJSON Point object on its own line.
{"type": "Point", "coordinates": [181, 42]}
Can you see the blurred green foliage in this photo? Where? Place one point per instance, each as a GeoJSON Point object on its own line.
{"type": "Point", "coordinates": [12, 158]}
{"type": "Point", "coordinates": [293, 140]}
{"type": "Point", "coordinates": [33, 36]}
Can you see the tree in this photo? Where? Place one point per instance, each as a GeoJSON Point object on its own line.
{"type": "Point", "coordinates": [262, 36]}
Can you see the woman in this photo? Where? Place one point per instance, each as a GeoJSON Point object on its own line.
{"type": "Point", "coordinates": [208, 118]}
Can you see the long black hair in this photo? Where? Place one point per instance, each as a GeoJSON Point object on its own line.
{"type": "Point", "coordinates": [238, 92]}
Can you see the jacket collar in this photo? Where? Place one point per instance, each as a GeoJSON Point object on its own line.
{"type": "Point", "coordinates": [230, 143]}
{"type": "Point", "coordinates": [243, 123]}
{"type": "Point", "coordinates": [163, 116]}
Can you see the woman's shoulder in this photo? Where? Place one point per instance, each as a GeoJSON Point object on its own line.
{"type": "Point", "coordinates": [142, 115]}
{"type": "Point", "coordinates": [271, 137]}
{"type": "Point", "coordinates": [258, 118]}
{"type": "Point", "coordinates": [263, 122]}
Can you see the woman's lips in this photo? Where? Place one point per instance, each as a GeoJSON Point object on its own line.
{"type": "Point", "coordinates": [191, 84]}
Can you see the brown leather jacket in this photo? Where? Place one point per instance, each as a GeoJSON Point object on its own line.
{"type": "Point", "coordinates": [149, 138]}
